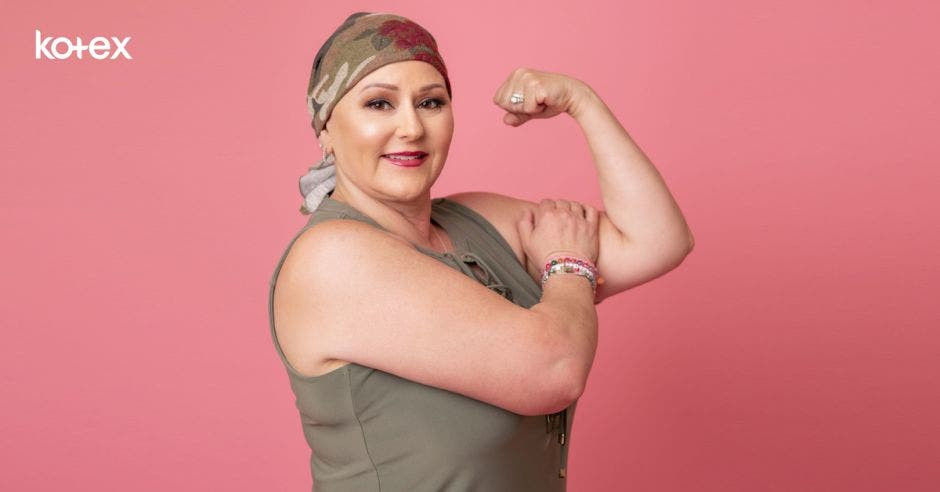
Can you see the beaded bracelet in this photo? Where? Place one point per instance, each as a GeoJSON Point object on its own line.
{"type": "Point", "coordinates": [570, 264]}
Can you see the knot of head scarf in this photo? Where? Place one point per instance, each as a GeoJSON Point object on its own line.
{"type": "Point", "coordinates": [319, 180]}
{"type": "Point", "coordinates": [363, 43]}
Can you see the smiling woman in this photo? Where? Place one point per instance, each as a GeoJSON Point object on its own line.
{"type": "Point", "coordinates": [399, 110]}
{"type": "Point", "coordinates": [443, 343]}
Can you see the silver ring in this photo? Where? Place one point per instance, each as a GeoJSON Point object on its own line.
{"type": "Point", "coordinates": [516, 98]}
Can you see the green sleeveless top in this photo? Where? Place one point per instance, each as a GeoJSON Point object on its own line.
{"type": "Point", "coordinates": [370, 430]}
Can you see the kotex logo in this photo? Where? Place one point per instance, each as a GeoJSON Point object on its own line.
{"type": "Point", "coordinates": [99, 48]}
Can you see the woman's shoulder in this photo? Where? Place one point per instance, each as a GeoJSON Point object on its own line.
{"type": "Point", "coordinates": [324, 245]}
{"type": "Point", "coordinates": [337, 234]}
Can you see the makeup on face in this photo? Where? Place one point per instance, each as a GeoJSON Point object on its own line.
{"type": "Point", "coordinates": [406, 159]}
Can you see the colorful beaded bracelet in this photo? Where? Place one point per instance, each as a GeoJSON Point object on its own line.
{"type": "Point", "coordinates": [569, 264]}
{"type": "Point", "coordinates": [567, 269]}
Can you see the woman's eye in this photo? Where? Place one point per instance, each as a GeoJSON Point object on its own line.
{"type": "Point", "coordinates": [437, 103]}
{"type": "Point", "coordinates": [377, 104]}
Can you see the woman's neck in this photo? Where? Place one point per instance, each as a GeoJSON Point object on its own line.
{"type": "Point", "coordinates": [408, 220]}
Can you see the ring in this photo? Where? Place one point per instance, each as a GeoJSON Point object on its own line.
{"type": "Point", "coordinates": [516, 98]}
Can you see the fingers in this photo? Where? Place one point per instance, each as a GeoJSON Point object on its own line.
{"type": "Point", "coordinates": [546, 205]}
{"type": "Point", "coordinates": [525, 224]}
{"type": "Point", "coordinates": [517, 114]}
{"type": "Point", "coordinates": [515, 119]}
{"type": "Point", "coordinates": [590, 213]}
{"type": "Point", "coordinates": [577, 208]}
{"type": "Point", "coordinates": [522, 82]}
{"type": "Point", "coordinates": [532, 96]}
{"type": "Point", "coordinates": [501, 98]}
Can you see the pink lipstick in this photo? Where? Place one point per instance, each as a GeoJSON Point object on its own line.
{"type": "Point", "coordinates": [406, 159]}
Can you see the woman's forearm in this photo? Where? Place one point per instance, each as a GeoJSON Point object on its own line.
{"type": "Point", "coordinates": [568, 303]}
{"type": "Point", "coordinates": [636, 199]}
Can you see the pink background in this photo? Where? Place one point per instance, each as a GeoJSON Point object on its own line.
{"type": "Point", "coordinates": [145, 203]}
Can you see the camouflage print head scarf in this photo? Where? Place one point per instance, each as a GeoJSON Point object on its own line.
{"type": "Point", "coordinates": [363, 43]}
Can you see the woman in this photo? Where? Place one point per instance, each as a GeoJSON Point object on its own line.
{"type": "Point", "coordinates": [429, 345]}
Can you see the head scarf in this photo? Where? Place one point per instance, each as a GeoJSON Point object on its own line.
{"type": "Point", "coordinates": [363, 43]}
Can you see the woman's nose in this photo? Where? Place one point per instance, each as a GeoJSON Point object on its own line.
{"type": "Point", "coordinates": [410, 124]}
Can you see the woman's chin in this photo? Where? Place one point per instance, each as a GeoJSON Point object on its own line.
{"type": "Point", "coordinates": [408, 192]}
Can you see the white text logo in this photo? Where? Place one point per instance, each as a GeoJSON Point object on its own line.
{"type": "Point", "coordinates": [98, 48]}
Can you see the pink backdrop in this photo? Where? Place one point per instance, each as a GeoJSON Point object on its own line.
{"type": "Point", "coordinates": [145, 203]}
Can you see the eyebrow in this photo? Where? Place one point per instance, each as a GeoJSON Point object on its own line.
{"type": "Point", "coordinates": [395, 87]}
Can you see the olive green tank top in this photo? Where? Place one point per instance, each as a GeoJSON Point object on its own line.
{"type": "Point", "coordinates": [370, 430]}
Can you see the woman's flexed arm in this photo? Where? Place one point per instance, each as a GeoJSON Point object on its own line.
{"type": "Point", "coordinates": [635, 196]}
{"type": "Point", "coordinates": [644, 234]}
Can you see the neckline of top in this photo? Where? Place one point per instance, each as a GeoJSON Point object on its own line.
{"type": "Point", "coordinates": [460, 246]}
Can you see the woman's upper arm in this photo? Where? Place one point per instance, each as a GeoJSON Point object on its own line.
{"type": "Point", "coordinates": [361, 295]}
{"type": "Point", "coordinates": [622, 264]}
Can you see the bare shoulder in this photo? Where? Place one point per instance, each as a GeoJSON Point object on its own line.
{"type": "Point", "coordinates": [297, 284]}
{"type": "Point", "coordinates": [500, 210]}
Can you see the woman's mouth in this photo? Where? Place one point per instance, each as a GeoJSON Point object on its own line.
{"type": "Point", "coordinates": [406, 159]}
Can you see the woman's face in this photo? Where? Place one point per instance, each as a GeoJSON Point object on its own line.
{"type": "Point", "coordinates": [400, 107]}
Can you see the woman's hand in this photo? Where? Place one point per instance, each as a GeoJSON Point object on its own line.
{"type": "Point", "coordinates": [545, 94]}
{"type": "Point", "coordinates": [558, 227]}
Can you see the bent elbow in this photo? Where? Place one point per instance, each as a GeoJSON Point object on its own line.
{"type": "Point", "coordinates": [562, 376]}
{"type": "Point", "coordinates": [577, 382]}
{"type": "Point", "coordinates": [548, 401]}
{"type": "Point", "coordinates": [680, 252]}
{"type": "Point", "coordinates": [571, 388]}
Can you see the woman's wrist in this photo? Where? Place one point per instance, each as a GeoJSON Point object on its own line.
{"type": "Point", "coordinates": [560, 281]}
{"type": "Point", "coordinates": [583, 97]}
{"type": "Point", "coordinates": [561, 264]}
{"type": "Point", "coordinates": [562, 252]}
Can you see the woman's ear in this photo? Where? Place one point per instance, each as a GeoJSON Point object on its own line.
{"type": "Point", "coordinates": [326, 141]}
